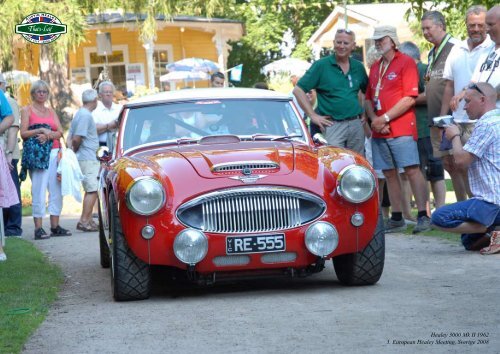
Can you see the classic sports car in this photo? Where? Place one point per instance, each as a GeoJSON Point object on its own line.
{"type": "Point", "coordinates": [225, 183]}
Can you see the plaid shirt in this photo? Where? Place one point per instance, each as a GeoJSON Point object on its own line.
{"type": "Point", "coordinates": [484, 143]}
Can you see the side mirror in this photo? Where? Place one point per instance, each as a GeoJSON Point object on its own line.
{"type": "Point", "coordinates": [319, 139]}
{"type": "Point", "coordinates": [103, 154]}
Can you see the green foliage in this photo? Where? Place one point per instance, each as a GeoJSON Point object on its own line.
{"type": "Point", "coordinates": [266, 22]}
{"type": "Point", "coordinates": [28, 285]}
{"type": "Point", "coordinates": [454, 12]}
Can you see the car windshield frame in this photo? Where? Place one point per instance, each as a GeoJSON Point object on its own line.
{"type": "Point", "coordinates": [188, 121]}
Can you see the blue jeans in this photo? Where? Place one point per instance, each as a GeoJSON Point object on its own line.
{"type": "Point", "coordinates": [12, 216]}
{"type": "Point", "coordinates": [474, 210]}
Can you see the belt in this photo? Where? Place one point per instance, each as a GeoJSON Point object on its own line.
{"type": "Point", "coordinates": [346, 119]}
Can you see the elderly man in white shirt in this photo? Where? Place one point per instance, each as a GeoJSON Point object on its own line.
{"type": "Point", "coordinates": [106, 113]}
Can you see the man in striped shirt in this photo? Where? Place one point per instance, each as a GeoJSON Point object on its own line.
{"type": "Point", "coordinates": [477, 217]}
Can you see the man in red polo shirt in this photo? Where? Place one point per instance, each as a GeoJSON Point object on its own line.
{"type": "Point", "coordinates": [390, 98]}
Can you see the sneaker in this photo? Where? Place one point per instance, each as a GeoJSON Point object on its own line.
{"type": "Point", "coordinates": [395, 226]}
{"type": "Point", "coordinates": [494, 246]}
{"type": "Point", "coordinates": [423, 224]}
{"type": "Point", "coordinates": [3, 257]}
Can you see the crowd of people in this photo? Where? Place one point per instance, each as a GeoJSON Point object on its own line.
{"type": "Point", "coordinates": [391, 114]}
{"type": "Point", "coordinates": [397, 110]}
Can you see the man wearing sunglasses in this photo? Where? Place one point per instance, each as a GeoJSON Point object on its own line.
{"type": "Point", "coordinates": [338, 80]}
{"type": "Point", "coordinates": [457, 73]}
{"type": "Point", "coordinates": [477, 217]}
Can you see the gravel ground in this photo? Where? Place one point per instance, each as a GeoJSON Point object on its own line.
{"type": "Point", "coordinates": [432, 297]}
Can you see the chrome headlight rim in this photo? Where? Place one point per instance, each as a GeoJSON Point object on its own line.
{"type": "Point", "coordinates": [133, 184]}
{"type": "Point", "coordinates": [202, 241]}
{"type": "Point", "coordinates": [345, 173]}
{"type": "Point", "coordinates": [310, 241]}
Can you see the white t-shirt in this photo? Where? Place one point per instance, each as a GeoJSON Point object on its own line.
{"type": "Point", "coordinates": [103, 115]}
{"type": "Point", "coordinates": [459, 67]}
{"type": "Point", "coordinates": [488, 69]}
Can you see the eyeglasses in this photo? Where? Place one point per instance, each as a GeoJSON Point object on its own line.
{"type": "Point", "coordinates": [344, 30]}
{"type": "Point", "coordinates": [42, 92]}
{"type": "Point", "coordinates": [475, 87]}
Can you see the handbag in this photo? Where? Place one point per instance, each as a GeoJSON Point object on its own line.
{"type": "Point", "coordinates": [35, 154]}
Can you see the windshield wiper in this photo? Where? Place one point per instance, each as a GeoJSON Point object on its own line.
{"type": "Point", "coordinates": [287, 137]}
{"type": "Point", "coordinates": [186, 140]}
{"type": "Point", "coordinates": [273, 137]}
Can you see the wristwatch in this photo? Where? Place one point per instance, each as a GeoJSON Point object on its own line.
{"type": "Point", "coordinates": [387, 118]}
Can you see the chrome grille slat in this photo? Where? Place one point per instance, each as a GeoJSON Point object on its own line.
{"type": "Point", "coordinates": [247, 210]}
{"type": "Point", "coordinates": [239, 166]}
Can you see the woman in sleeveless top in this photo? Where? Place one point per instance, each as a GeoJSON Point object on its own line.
{"type": "Point", "coordinates": [41, 179]}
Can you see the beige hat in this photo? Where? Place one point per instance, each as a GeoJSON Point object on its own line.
{"type": "Point", "coordinates": [386, 31]}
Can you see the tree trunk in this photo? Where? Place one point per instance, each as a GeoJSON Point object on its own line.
{"type": "Point", "coordinates": [56, 75]}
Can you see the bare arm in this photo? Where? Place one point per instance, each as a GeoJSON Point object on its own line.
{"type": "Point", "coordinates": [306, 106]}
{"type": "Point", "coordinates": [76, 141]}
{"type": "Point", "coordinates": [462, 158]}
{"type": "Point", "coordinates": [6, 123]}
{"type": "Point", "coordinates": [449, 91]}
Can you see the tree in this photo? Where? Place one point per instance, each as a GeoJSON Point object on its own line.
{"type": "Point", "coordinates": [53, 56]}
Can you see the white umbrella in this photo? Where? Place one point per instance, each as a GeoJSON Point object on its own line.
{"type": "Point", "coordinates": [287, 65]}
{"type": "Point", "coordinates": [193, 64]}
{"type": "Point", "coordinates": [17, 77]}
{"type": "Point", "coordinates": [185, 76]}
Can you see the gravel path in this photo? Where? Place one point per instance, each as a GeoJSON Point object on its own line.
{"type": "Point", "coordinates": [431, 292]}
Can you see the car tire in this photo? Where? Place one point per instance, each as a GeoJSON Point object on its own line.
{"type": "Point", "coordinates": [103, 244]}
{"type": "Point", "coordinates": [365, 267]}
{"type": "Point", "coordinates": [130, 276]}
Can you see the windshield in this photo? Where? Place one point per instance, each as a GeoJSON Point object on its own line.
{"type": "Point", "coordinates": [197, 119]}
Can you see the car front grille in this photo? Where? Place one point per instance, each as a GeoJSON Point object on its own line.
{"type": "Point", "coordinates": [252, 209]}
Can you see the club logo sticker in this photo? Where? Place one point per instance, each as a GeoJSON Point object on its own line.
{"type": "Point", "coordinates": [41, 28]}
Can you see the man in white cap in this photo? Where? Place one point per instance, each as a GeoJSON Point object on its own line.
{"type": "Point", "coordinates": [12, 216]}
{"type": "Point", "coordinates": [390, 99]}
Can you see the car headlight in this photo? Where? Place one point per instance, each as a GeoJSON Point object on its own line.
{"type": "Point", "coordinates": [190, 246]}
{"type": "Point", "coordinates": [356, 184]}
{"type": "Point", "coordinates": [145, 196]}
{"type": "Point", "coordinates": [321, 238]}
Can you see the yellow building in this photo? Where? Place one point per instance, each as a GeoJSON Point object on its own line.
{"type": "Point", "coordinates": [113, 38]}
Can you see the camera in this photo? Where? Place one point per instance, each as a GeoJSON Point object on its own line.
{"type": "Point", "coordinates": [443, 121]}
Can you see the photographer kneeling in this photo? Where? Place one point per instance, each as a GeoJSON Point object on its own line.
{"type": "Point", "coordinates": [477, 217]}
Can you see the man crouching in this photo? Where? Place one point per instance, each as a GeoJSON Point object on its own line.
{"type": "Point", "coordinates": [477, 217]}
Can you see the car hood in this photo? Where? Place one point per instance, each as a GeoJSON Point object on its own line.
{"type": "Point", "coordinates": [217, 161]}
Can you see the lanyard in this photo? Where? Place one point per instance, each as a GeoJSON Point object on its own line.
{"type": "Point", "coordinates": [434, 55]}
{"type": "Point", "coordinates": [380, 76]}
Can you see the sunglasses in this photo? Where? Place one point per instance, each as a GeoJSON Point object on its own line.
{"type": "Point", "coordinates": [344, 30]}
{"type": "Point", "coordinates": [475, 87]}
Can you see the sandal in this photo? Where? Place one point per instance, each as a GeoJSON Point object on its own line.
{"type": "Point", "coordinates": [59, 231]}
{"type": "Point", "coordinates": [86, 227]}
{"type": "Point", "coordinates": [40, 234]}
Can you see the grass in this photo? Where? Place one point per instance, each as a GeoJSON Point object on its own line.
{"type": "Point", "coordinates": [28, 286]}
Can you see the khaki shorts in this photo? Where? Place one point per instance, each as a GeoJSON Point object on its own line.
{"type": "Point", "coordinates": [437, 133]}
{"type": "Point", "coordinates": [90, 171]}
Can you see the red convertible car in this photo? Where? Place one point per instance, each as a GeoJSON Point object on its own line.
{"type": "Point", "coordinates": [228, 183]}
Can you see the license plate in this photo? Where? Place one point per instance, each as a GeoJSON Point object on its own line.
{"type": "Point", "coordinates": [255, 244]}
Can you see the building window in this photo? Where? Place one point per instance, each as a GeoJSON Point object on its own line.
{"type": "Point", "coordinates": [161, 60]}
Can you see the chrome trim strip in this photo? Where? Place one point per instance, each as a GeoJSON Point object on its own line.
{"type": "Point", "coordinates": [240, 165]}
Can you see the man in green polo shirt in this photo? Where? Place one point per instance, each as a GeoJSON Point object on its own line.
{"type": "Point", "coordinates": [337, 79]}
